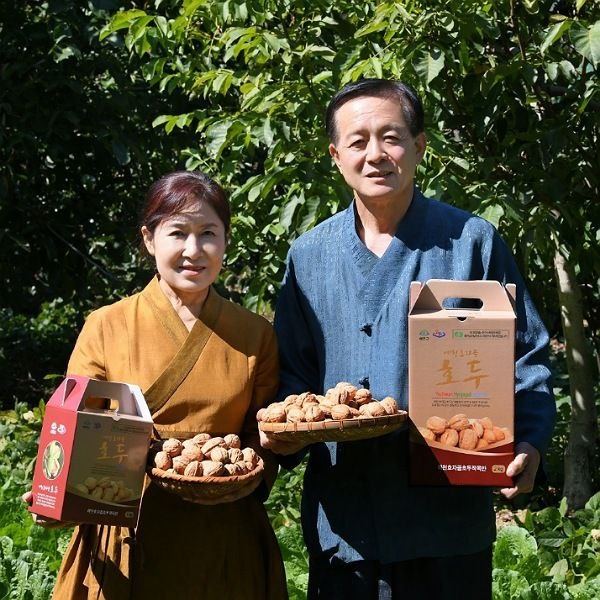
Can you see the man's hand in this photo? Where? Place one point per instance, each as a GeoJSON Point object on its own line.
{"type": "Point", "coordinates": [270, 442]}
{"type": "Point", "coordinates": [524, 469]}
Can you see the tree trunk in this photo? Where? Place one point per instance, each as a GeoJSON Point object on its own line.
{"type": "Point", "coordinates": [581, 447]}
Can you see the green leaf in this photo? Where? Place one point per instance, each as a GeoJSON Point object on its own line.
{"type": "Point", "coordinates": [554, 34]}
{"type": "Point", "coordinates": [493, 213]}
{"type": "Point", "coordinates": [587, 40]}
{"type": "Point", "coordinates": [559, 570]}
{"type": "Point", "coordinates": [513, 544]}
{"type": "Point", "coordinates": [429, 63]}
{"type": "Point", "coordinates": [121, 20]}
{"type": "Point", "coordinates": [594, 502]}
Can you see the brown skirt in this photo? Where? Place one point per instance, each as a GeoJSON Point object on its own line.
{"type": "Point", "coordinates": [180, 549]}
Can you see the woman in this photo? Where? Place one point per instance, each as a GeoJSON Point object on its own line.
{"type": "Point", "coordinates": [204, 365]}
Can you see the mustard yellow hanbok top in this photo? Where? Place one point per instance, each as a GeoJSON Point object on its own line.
{"type": "Point", "coordinates": [182, 549]}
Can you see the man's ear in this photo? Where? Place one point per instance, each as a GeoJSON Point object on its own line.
{"type": "Point", "coordinates": [148, 240]}
{"type": "Point", "coordinates": [421, 145]}
{"type": "Point", "coordinates": [335, 155]}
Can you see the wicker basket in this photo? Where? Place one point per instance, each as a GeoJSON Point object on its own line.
{"type": "Point", "coordinates": [199, 489]}
{"type": "Point", "coordinates": [346, 430]}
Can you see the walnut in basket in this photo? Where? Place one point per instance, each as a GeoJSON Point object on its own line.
{"type": "Point", "coordinates": [344, 401]}
{"type": "Point", "coordinates": [204, 456]}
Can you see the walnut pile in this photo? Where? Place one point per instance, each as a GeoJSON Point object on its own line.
{"type": "Point", "coordinates": [204, 456]}
{"type": "Point", "coordinates": [105, 489]}
{"type": "Point", "coordinates": [344, 401]}
{"type": "Point", "coordinates": [461, 432]}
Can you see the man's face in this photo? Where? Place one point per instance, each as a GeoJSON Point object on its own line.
{"type": "Point", "coordinates": [375, 151]}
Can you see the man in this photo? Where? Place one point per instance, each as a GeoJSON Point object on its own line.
{"type": "Point", "coordinates": [342, 316]}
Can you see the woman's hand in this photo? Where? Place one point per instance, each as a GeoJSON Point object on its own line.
{"type": "Point", "coordinates": [45, 522]}
{"type": "Point", "coordinates": [524, 469]}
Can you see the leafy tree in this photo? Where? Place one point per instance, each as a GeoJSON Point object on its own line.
{"type": "Point", "coordinates": [77, 152]}
{"type": "Point", "coordinates": [511, 94]}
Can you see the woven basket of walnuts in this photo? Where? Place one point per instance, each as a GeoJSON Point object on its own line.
{"type": "Point", "coordinates": [344, 413]}
{"type": "Point", "coordinates": [203, 467]}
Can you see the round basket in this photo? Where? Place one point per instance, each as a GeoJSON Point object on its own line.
{"type": "Point", "coordinates": [345, 430]}
{"type": "Point", "coordinates": [198, 489]}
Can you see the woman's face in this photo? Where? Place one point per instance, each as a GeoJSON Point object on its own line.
{"type": "Point", "coordinates": [188, 249]}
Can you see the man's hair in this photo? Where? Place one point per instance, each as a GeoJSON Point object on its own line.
{"type": "Point", "coordinates": [410, 103]}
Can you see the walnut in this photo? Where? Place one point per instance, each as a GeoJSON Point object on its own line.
{"type": "Point", "coordinates": [481, 444]}
{"type": "Point", "coordinates": [275, 413]}
{"type": "Point", "coordinates": [486, 423]}
{"type": "Point", "coordinates": [489, 436]}
{"type": "Point", "coordinates": [467, 439]}
{"type": "Point", "coordinates": [295, 414]}
{"type": "Point", "coordinates": [180, 463]}
{"type": "Point", "coordinates": [344, 395]}
{"type": "Point", "coordinates": [233, 440]}
{"type": "Point", "coordinates": [250, 456]}
{"type": "Point", "coordinates": [449, 437]}
{"type": "Point", "coordinates": [348, 387]}
{"type": "Point", "coordinates": [219, 454]}
{"type": "Point", "coordinates": [290, 400]}
{"type": "Point", "coordinates": [499, 432]}
{"type": "Point", "coordinates": [340, 411]}
{"type": "Point", "coordinates": [90, 483]}
{"type": "Point", "coordinates": [313, 413]}
{"type": "Point", "coordinates": [477, 427]}
{"type": "Point", "coordinates": [242, 467]}
{"type": "Point", "coordinates": [362, 396]}
{"type": "Point", "coordinates": [437, 424]}
{"type": "Point", "coordinates": [306, 398]}
{"type": "Point", "coordinates": [260, 414]}
{"type": "Point", "coordinates": [193, 469]}
{"type": "Point", "coordinates": [172, 447]}
{"type": "Point", "coordinates": [193, 452]}
{"type": "Point", "coordinates": [201, 438]}
{"type": "Point", "coordinates": [212, 468]}
{"type": "Point", "coordinates": [235, 455]}
{"type": "Point", "coordinates": [123, 494]}
{"type": "Point", "coordinates": [330, 399]}
{"type": "Point", "coordinates": [230, 469]}
{"type": "Point", "coordinates": [427, 434]}
{"type": "Point", "coordinates": [163, 461]}
{"type": "Point", "coordinates": [326, 411]}
{"type": "Point", "coordinates": [372, 409]}
{"type": "Point", "coordinates": [81, 488]}
{"type": "Point", "coordinates": [459, 422]}
{"type": "Point", "coordinates": [390, 405]}
{"type": "Point", "coordinates": [108, 495]}
{"type": "Point", "coordinates": [210, 444]}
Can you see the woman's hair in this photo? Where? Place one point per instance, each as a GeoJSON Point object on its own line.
{"type": "Point", "coordinates": [181, 190]}
{"type": "Point", "coordinates": [410, 103]}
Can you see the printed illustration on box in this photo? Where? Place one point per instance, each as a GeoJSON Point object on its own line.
{"type": "Point", "coordinates": [461, 382]}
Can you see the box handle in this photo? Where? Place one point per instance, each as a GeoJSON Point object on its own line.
{"type": "Point", "coordinates": [491, 293]}
{"type": "Point", "coordinates": [70, 384]}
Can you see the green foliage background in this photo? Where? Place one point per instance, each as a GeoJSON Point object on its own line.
{"type": "Point", "coordinates": [545, 554]}
{"type": "Point", "coordinates": [98, 98]}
